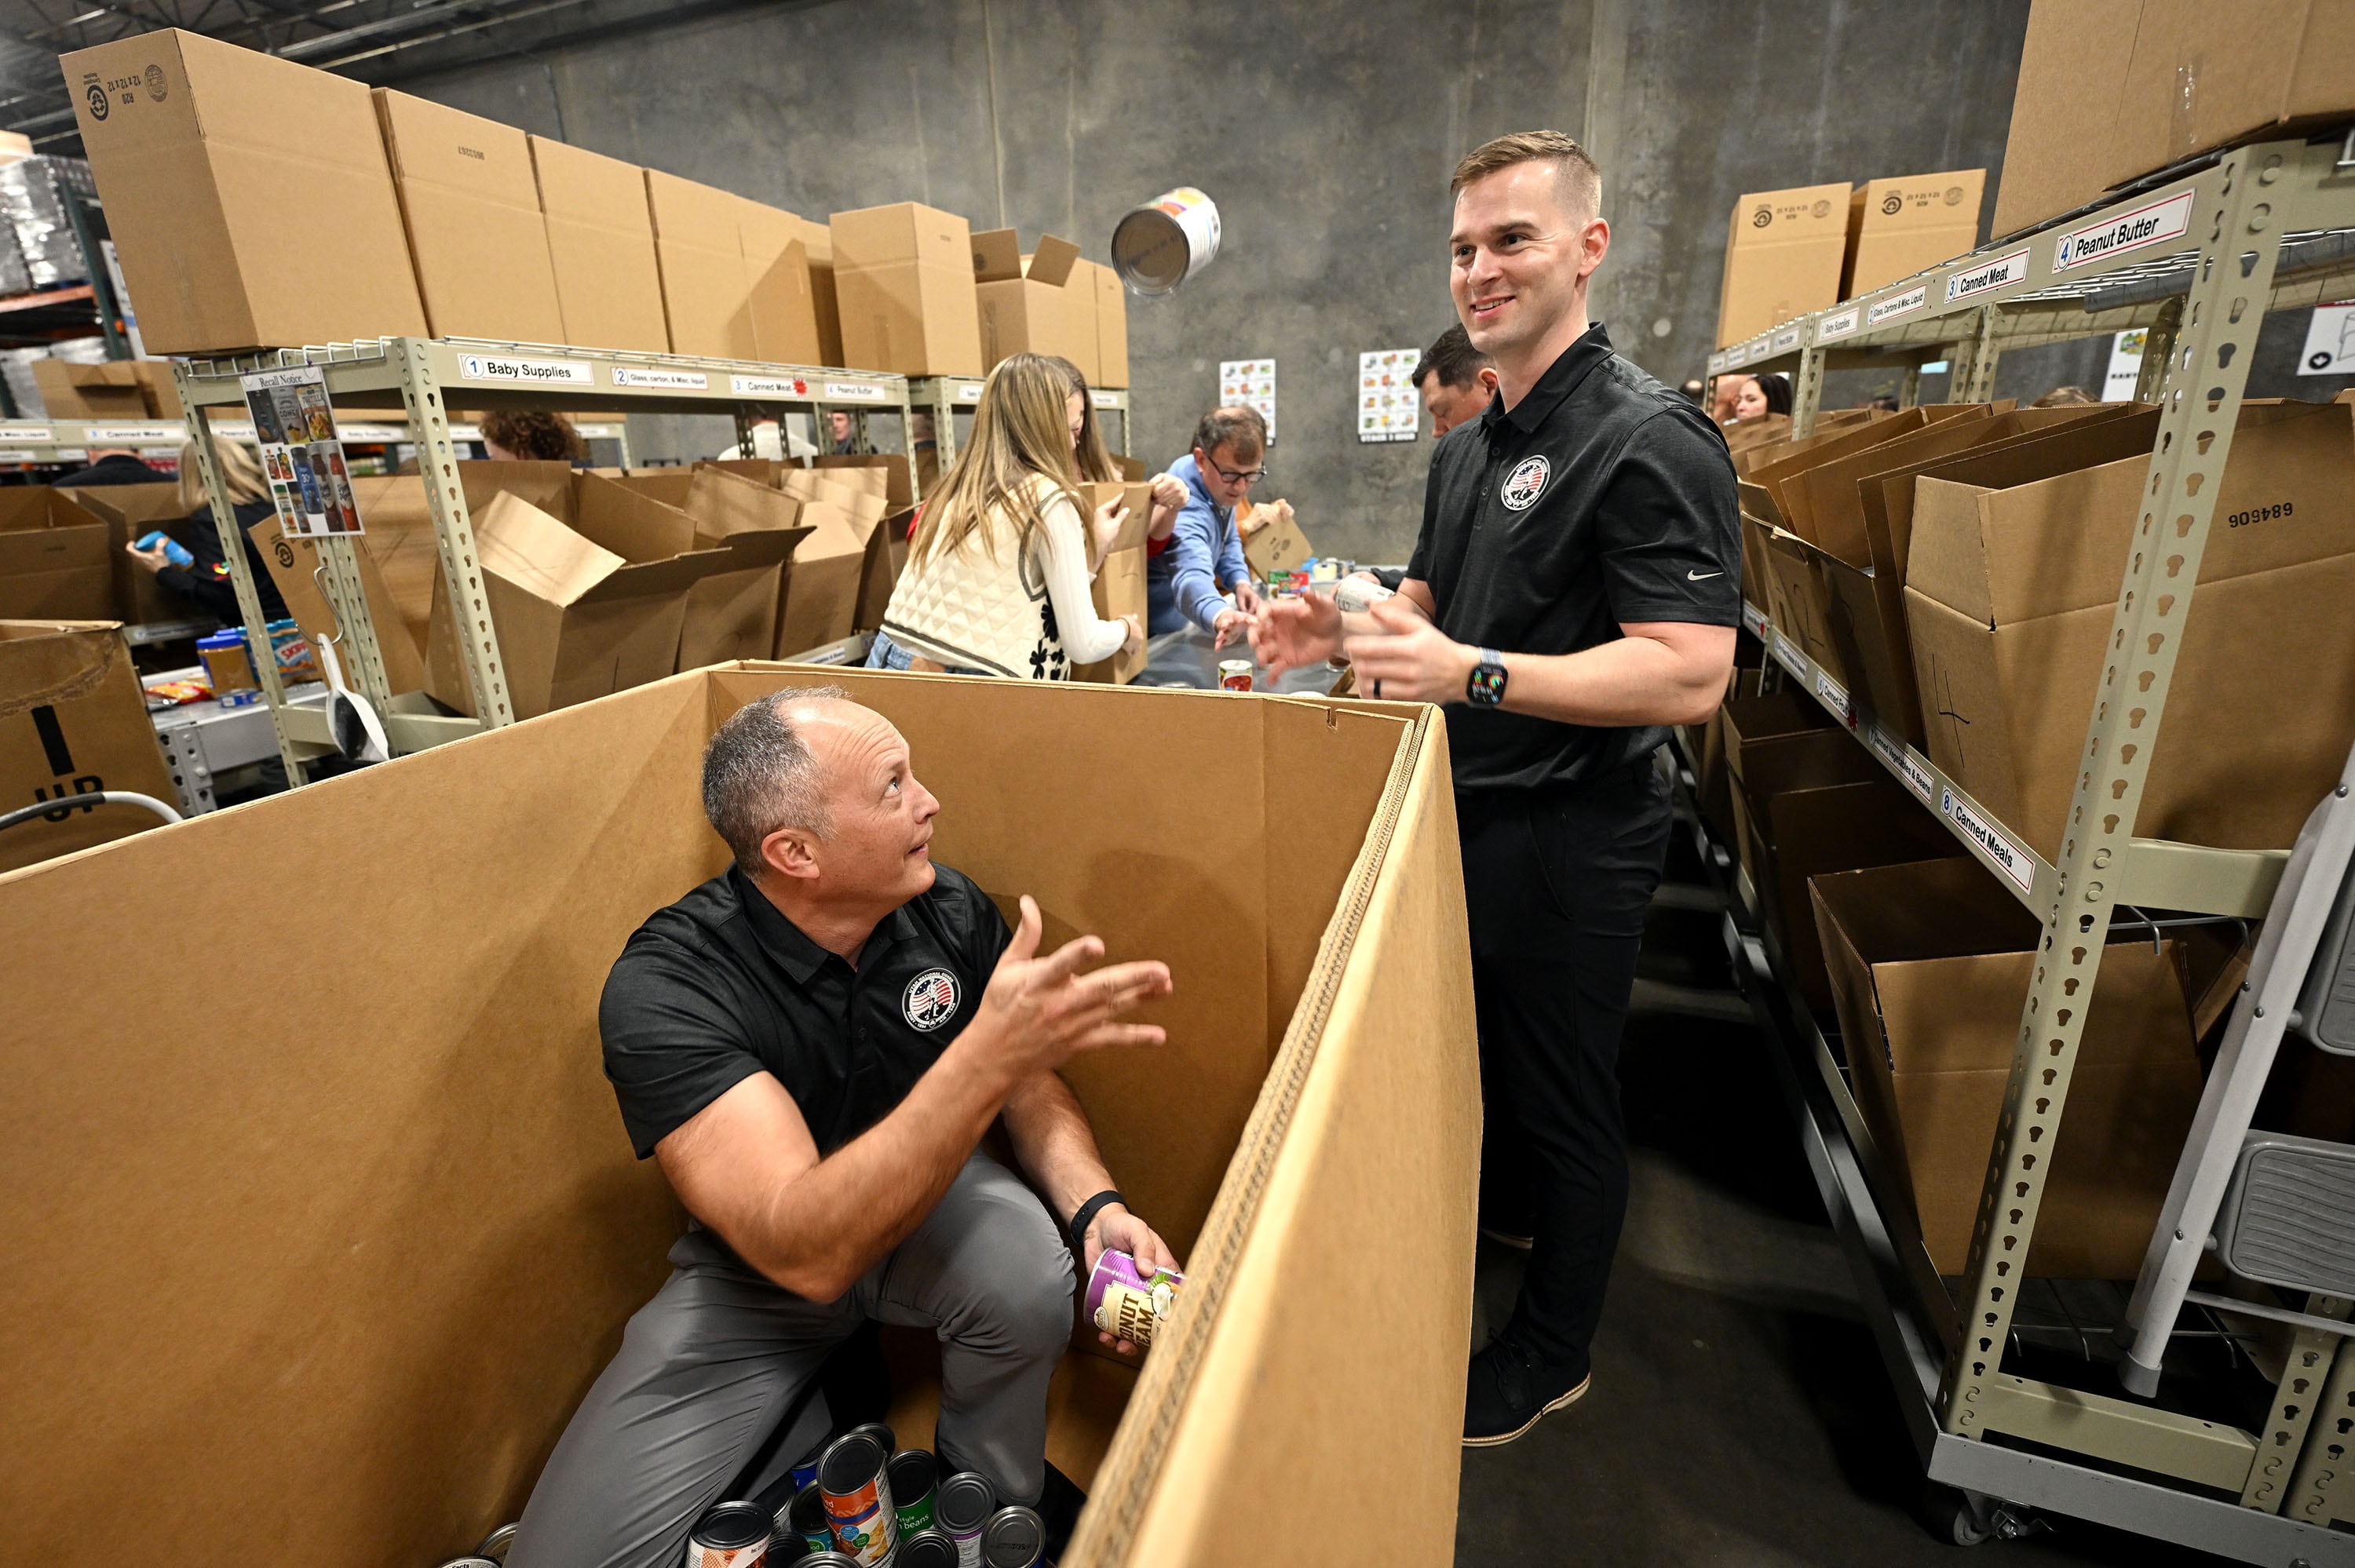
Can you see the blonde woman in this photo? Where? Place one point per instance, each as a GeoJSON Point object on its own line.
{"type": "Point", "coordinates": [204, 581]}
{"type": "Point", "coordinates": [997, 580]}
{"type": "Point", "coordinates": [1094, 462]}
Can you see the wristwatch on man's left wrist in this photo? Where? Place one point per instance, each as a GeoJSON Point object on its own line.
{"type": "Point", "coordinates": [1486, 686]}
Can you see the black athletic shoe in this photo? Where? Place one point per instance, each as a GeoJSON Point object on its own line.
{"type": "Point", "coordinates": [1059, 1511]}
{"type": "Point", "coordinates": [1509, 1390]}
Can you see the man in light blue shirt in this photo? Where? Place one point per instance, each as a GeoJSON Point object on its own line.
{"type": "Point", "coordinates": [1186, 580]}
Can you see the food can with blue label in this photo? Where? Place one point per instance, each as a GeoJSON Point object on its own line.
{"type": "Point", "coordinates": [854, 1483]}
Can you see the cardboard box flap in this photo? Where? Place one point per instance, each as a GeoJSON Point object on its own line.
{"type": "Point", "coordinates": [652, 580]}
{"type": "Point", "coordinates": [831, 532]}
{"type": "Point", "coordinates": [997, 256]}
{"type": "Point", "coordinates": [1051, 263]}
{"type": "Point", "coordinates": [538, 553]}
{"type": "Point", "coordinates": [724, 505]}
{"type": "Point", "coordinates": [755, 548]}
{"type": "Point", "coordinates": [46, 662]}
{"type": "Point", "coordinates": [632, 524]}
{"type": "Point", "coordinates": [897, 492]}
{"type": "Point", "coordinates": [1139, 498]}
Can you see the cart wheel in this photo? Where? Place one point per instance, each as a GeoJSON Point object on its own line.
{"type": "Point", "coordinates": [1957, 1516]}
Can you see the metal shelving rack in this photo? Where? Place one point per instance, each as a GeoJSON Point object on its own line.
{"type": "Point", "coordinates": [2197, 257]}
{"type": "Point", "coordinates": [945, 397]}
{"type": "Point", "coordinates": [421, 375]}
{"type": "Point", "coordinates": [41, 442]}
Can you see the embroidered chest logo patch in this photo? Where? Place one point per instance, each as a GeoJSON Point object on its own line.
{"type": "Point", "coordinates": [1525, 483]}
{"type": "Point", "coordinates": [932, 1000]}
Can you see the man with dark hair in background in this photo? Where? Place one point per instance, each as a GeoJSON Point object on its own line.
{"type": "Point", "coordinates": [1575, 591]}
{"type": "Point", "coordinates": [1454, 380]}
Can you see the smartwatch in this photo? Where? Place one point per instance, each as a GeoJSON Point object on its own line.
{"type": "Point", "coordinates": [1486, 688]}
{"type": "Point", "coordinates": [1088, 1213]}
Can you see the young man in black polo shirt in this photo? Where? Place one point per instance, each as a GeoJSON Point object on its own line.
{"type": "Point", "coordinates": [1575, 589]}
{"type": "Point", "coordinates": [812, 1045]}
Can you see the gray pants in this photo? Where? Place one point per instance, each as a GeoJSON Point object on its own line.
{"type": "Point", "coordinates": [711, 1365]}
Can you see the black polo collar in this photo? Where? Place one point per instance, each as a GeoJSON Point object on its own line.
{"type": "Point", "coordinates": [1561, 379]}
{"type": "Point", "coordinates": [791, 948]}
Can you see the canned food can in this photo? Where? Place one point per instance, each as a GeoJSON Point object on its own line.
{"type": "Point", "coordinates": [877, 1430]}
{"type": "Point", "coordinates": [471, 1563]}
{"type": "Point", "coordinates": [805, 1468]}
{"type": "Point", "coordinates": [1234, 674]}
{"type": "Point", "coordinates": [1126, 1302]}
{"type": "Point", "coordinates": [828, 1560]}
{"type": "Point", "coordinates": [853, 1481]}
{"type": "Point", "coordinates": [494, 1545]}
{"type": "Point", "coordinates": [730, 1535]}
{"type": "Point", "coordinates": [961, 1511]}
{"type": "Point", "coordinates": [913, 1474]}
{"type": "Point", "coordinates": [928, 1548]}
{"type": "Point", "coordinates": [1017, 1538]}
{"type": "Point", "coordinates": [1159, 246]}
{"type": "Point", "coordinates": [804, 1520]}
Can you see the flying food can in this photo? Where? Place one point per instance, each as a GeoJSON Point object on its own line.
{"type": "Point", "coordinates": [961, 1511]}
{"type": "Point", "coordinates": [803, 1519]}
{"type": "Point", "coordinates": [1126, 1302]}
{"type": "Point", "coordinates": [730, 1535]}
{"type": "Point", "coordinates": [1159, 246]}
{"type": "Point", "coordinates": [928, 1548]}
{"type": "Point", "coordinates": [913, 1475]}
{"type": "Point", "coordinates": [494, 1545]}
{"type": "Point", "coordinates": [1017, 1538]}
{"type": "Point", "coordinates": [853, 1481]}
{"type": "Point", "coordinates": [1234, 674]}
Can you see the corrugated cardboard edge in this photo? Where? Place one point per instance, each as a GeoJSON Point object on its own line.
{"type": "Point", "coordinates": [1133, 1468]}
{"type": "Point", "coordinates": [88, 676]}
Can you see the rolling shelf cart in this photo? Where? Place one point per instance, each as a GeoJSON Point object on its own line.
{"type": "Point", "coordinates": [945, 397]}
{"type": "Point", "coordinates": [417, 374]}
{"type": "Point", "coordinates": [2197, 257]}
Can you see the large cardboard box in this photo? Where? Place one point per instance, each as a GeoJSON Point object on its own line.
{"type": "Point", "coordinates": [55, 559]}
{"type": "Point", "coordinates": [430, 1321]}
{"type": "Point", "coordinates": [72, 722]}
{"type": "Point", "coordinates": [777, 279]}
{"type": "Point", "coordinates": [734, 612]}
{"type": "Point", "coordinates": [904, 290]}
{"type": "Point", "coordinates": [706, 293]}
{"type": "Point", "coordinates": [2010, 589]}
{"type": "Point", "coordinates": [293, 564]}
{"type": "Point", "coordinates": [471, 202]}
{"type": "Point", "coordinates": [1931, 963]}
{"type": "Point", "coordinates": [1898, 226]}
{"type": "Point", "coordinates": [1783, 252]}
{"type": "Point", "coordinates": [1120, 588]}
{"type": "Point", "coordinates": [1112, 327]}
{"type": "Point", "coordinates": [1026, 302]}
{"type": "Point", "coordinates": [248, 196]}
{"type": "Point", "coordinates": [2205, 76]}
{"type": "Point", "coordinates": [886, 474]}
{"type": "Point", "coordinates": [818, 242]}
{"type": "Point", "coordinates": [600, 246]}
{"type": "Point", "coordinates": [110, 391]}
{"type": "Point", "coordinates": [2072, 65]}
{"type": "Point", "coordinates": [133, 512]}
{"type": "Point", "coordinates": [1807, 799]}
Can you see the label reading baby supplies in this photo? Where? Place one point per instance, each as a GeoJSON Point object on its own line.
{"type": "Point", "coordinates": [535, 372]}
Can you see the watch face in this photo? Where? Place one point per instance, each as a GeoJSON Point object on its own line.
{"type": "Point", "coordinates": [1488, 684]}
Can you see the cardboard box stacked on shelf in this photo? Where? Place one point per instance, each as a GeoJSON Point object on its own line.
{"type": "Point", "coordinates": [1330, 1091]}
{"type": "Point", "coordinates": [903, 282]}
{"type": "Point", "coordinates": [73, 722]}
{"type": "Point", "coordinates": [2010, 589]}
{"type": "Point", "coordinates": [117, 389]}
{"type": "Point", "coordinates": [1898, 226]}
{"type": "Point", "coordinates": [56, 561]}
{"type": "Point", "coordinates": [707, 297]}
{"type": "Point", "coordinates": [1038, 303]}
{"type": "Point", "coordinates": [600, 245]}
{"type": "Point", "coordinates": [1929, 963]}
{"type": "Point", "coordinates": [1783, 253]}
{"type": "Point", "coordinates": [471, 204]}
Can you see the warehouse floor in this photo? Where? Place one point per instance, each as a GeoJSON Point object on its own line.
{"type": "Point", "coordinates": [1739, 1416]}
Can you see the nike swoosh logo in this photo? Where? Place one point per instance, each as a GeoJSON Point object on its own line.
{"type": "Point", "coordinates": [1698, 576]}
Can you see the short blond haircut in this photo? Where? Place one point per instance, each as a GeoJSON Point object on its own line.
{"type": "Point", "coordinates": [241, 474]}
{"type": "Point", "coordinates": [1582, 179]}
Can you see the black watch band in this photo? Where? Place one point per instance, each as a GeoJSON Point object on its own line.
{"type": "Point", "coordinates": [1089, 1211]}
{"type": "Point", "coordinates": [1486, 688]}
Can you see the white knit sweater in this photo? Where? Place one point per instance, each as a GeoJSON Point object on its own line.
{"type": "Point", "coordinates": [1027, 614]}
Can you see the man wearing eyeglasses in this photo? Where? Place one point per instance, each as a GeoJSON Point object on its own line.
{"type": "Point", "coordinates": [1188, 578]}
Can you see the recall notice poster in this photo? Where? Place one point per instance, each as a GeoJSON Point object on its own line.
{"type": "Point", "coordinates": [1251, 383]}
{"type": "Point", "coordinates": [1388, 403]}
{"type": "Point", "coordinates": [309, 483]}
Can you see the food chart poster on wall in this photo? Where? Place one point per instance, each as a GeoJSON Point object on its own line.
{"type": "Point", "coordinates": [1252, 384]}
{"type": "Point", "coordinates": [309, 483]}
{"type": "Point", "coordinates": [1387, 406]}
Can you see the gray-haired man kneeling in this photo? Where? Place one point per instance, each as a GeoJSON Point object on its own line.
{"type": "Point", "coordinates": [812, 1045]}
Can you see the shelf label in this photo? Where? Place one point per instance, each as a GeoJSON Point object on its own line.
{"type": "Point", "coordinates": [1786, 340]}
{"type": "Point", "coordinates": [132, 432]}
{"type": "Point", "coordinates": [971, 393]}
{"type": "Point", "coordinates": [1896, 306]}
{"type": "Point", "coordinates": [360, 432]}
{"type": "Point", "coordinates": [19, 454]}
{"type": "Point", "coordinates": [1098, 396]}
{"type": "Point", "coordinates": [27, 433]}
{"type": "Point", "coordinates": [1988, 276]}
{"type": "Point", "coordinates": [1717, 363]}
{"type": "Point", "coordinates": [2008, 857]}
{"type": "Point", "coordinates": [857, 391]}
{"type": "Point", "coordinates": [1902, 762]}
{"type": "Point", "coordinates": [769, 386]}
{"type": "Point", "coordinates": [458, 432]}
{"type": "Point", "coordinates": [2150, 224]}
{"type": "Point", "coordinates": [1838, 324]}
{"type": "Point", "coordinates": [510, 367]}
{"type": "Point", "coordinates": [672, 380]}
{"type": "Point", "coordinates": [1835, 697]}
{"type": "Point", "coordinates": [1784, 649]}
{"type": "Point", "coordinates": [1738, 354]}
{"type": "Point", "coordinates": [600, 432]}
{"type": "Point", "coordinates": [1754, 619]}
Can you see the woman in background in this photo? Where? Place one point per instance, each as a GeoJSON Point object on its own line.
{"type": "Point", "coordinates": [1762, 396]}
{"type": "Point", "coordinates": [205, 582]}
{"type": "Point", "coordinates": [1095, 465]}
{"type": "Point", "coordinates": [528, 435]}
{"type": "Point", "coordinates": [997, 580]}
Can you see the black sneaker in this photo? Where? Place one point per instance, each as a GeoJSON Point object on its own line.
{"type": "Point", "coordinates": [1059, 1511]}
{"type": "Point", "coordinates": [1509, 1390]}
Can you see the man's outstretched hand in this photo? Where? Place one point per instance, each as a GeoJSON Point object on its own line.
{"type": "Point", "coordinates": [1038, 1013]}
{"type": "Point", "coordinates": [1291, 633]}
{"type": "Point", "coordinates": [1406, 659]}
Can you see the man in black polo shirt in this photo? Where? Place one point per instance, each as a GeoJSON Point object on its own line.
{"type": "Point", "coordinates": [813, 1044]}
{"type": "Point", "coordinates": [1575, 589]}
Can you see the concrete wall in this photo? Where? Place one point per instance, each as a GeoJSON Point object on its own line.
{"type": "Point", "coordinates": [1325, 129]}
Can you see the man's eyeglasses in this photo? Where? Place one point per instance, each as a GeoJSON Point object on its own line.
{"type": "Point", "coordinates": [1249, 476]}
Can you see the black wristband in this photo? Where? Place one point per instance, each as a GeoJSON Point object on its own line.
{"type": "Point", "coordinates": [1089, 1211]}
